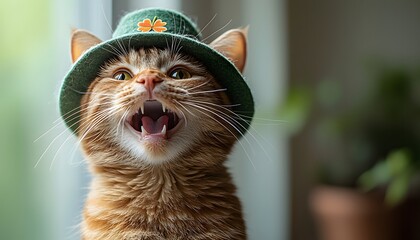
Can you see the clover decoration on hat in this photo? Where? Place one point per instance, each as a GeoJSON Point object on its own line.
{"type": "Point", "coordinates": [156, 25]}
{"type": "Point", "coordinates": [153, 27]}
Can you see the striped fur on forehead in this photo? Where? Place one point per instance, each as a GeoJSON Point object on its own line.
{"type": "Point", "coordinates": [151, 58]}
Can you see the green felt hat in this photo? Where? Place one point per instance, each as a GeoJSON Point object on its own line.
{"type": "Point", "coordinates": [147, 28]}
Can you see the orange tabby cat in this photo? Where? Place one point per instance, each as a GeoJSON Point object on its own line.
{"type": "Point", "coordinates": [156, 138]}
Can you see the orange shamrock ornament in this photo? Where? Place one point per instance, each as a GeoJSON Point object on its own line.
{"type": "Point", "coordinates": [156, 25]}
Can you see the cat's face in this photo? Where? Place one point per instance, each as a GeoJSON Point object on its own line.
{"type": "Point", "coordinates": [153, 103]}
{"type": "Point", "coordinates": [151, 106]}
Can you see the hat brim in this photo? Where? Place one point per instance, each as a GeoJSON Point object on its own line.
{"type": "Point", "coordinates": [86, 68]}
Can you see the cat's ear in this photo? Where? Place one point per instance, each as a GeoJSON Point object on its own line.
{"type": "Point", "coordinates": [81, 41]}
{"type": "Point", "coordinates": [232, 44]}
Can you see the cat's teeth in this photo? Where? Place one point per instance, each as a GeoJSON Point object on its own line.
{"type": "Point", "coordinates": [163, 108]}
{"type": "Point", "coordinates": [142, 108]}
{"type": "Point", "coordinates": [143, 131]}
{"type": "Point", "coordinates": [164, 130]}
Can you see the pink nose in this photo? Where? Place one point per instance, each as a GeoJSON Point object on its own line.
{"type": "Point", "coordinates": [149, 78]}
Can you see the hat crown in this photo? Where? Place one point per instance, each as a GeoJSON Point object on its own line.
{"type": "Point", "coordinates": [173, 22]}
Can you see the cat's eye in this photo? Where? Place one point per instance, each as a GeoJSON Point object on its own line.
{"type": "Point", "coordinates": [122, 75]}
{"type": "Point", "coordinates": [179, 73]}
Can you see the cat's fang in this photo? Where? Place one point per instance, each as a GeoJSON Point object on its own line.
{"type": "Point", "coordinates": [143, 131]}
{"type": "Point", "coordinates": [163, 108]}
{"type": "Point", "coordinates": [163, 130]}
{"type": "Point", "coordinates": [142, 108]}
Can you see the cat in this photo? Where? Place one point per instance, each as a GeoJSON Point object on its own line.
{"type": "Point", "coordinates": [156, 129]}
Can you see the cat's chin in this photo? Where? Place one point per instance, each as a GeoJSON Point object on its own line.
{"type": "Point", "coordinates": [156, 148]}
{"type": "Point", "coordinates": [155, 145]}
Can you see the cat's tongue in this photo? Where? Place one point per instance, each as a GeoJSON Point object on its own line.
{"type": "Point", "coordinates": [153, 127]}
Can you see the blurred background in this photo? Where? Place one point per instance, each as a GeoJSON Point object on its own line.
{"type": "Point", "coordinates": [333, 152]}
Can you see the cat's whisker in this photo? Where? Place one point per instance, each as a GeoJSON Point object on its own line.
{"type": "Point", "coordinates": [74, 150]}
{"type": "Point", "coordinates": [191, 80]}
{"type": "Point", "coordinates": [48, 147]}
{"type": "Point", "coordinates": [129, 43]}
{"type": "Point", "coordinates": [208, 91]}
{"type": "Point", "coordinates": [218, 30]}
{"type": "Point", "coordinates": [205, 26]}
{"type": "Point", "coordinates": [222, 107]}
{"type": "Point", "coordinates": [251, 128]}
{"type": "Point", "coordinates": [167, 44]}
{"type": "Point", "coordinates": [186, 109]}
{"type": "Point", "coordinates": [197, 108]}
{"type": "Point", "coordinates": [174, 20]}
{"type": "Point", "coordinates": [242, 116]}
{"type": "Point", "coordinates": [110, 111]}
{"type": "Point", "coordinates": [96, 117]}
{"type": "Point", "coordinates": [56, 137]}
{"type": "Point", "coordinates": [177, 88]}
{"type": "Point", "coordinates": [119, 49]}
{"type": "Point", "coordinates": [183, 115]}
{"type": "Point", "coordinates": [73, 153]}
{"type": "Point", "coordinates": [61, 146]}
{"type": "Point", "coordinates": [114, 51]}
{"type": "Point", "coordinates": [198, 86]}
{"type": "Point", "coordinates": [93, 93]}
{"type": "Point", "coordinates": [74, 231]}
{"type": "Point", "coordinates": [272, 121]}
{"type": "Point", "coordinates": [218, 112]}
{"type": "Point", "coordinates": [59, 149]}
{"type": "Point", "coordinates": [87, 93]}
{"type": "Point", "coordinates": [73, 156]}
{"type": "Point", "coordinates": [170, 48]}
{"type": "Point", "coordinates": [56, 124]}
{"type": "Point", "coordinates": [260, 121]}
{"type": "Point", "coordinates": [76, 114]}
{"type": "Point", "coordinates": [70, 116]}
{"type": "Point", "coordinates": [70, 113]}
{"type": "Point", "coordinates": [105, 18]}
{"type": "Point", "coordinates": [175, 46]}
{"type": "Point", "coordinates": [240, 124]}
{"type": "Point", "coordinates": [121, 122]}
{"type": "Point", "coordinates": [111, 51]}
{"type": "Point", "coordinates": [181, 29]}
{"type": "Point", "coordinates": [232, 118]}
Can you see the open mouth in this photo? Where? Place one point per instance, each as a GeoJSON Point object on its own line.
{"type": "Point", "coordinates": [153, 119]}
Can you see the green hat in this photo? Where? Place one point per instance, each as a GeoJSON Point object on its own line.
{"type": "Point", "coordinates": [147, 28]}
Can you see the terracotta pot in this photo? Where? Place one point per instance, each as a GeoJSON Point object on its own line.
{"type": "Point", "coordinates": [345, 214]}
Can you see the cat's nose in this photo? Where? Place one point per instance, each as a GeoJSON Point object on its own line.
{"type": "Point", "coordinates": [149, 78]}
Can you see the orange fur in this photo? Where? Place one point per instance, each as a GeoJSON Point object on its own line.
{"type": "Point", "coordinates": [188, 193]}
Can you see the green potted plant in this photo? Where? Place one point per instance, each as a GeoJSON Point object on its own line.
{"type": "Point", "coordinates": [371, 156]}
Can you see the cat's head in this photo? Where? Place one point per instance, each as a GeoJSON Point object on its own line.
{"type": "Point", "coordinates": [154, 103]}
